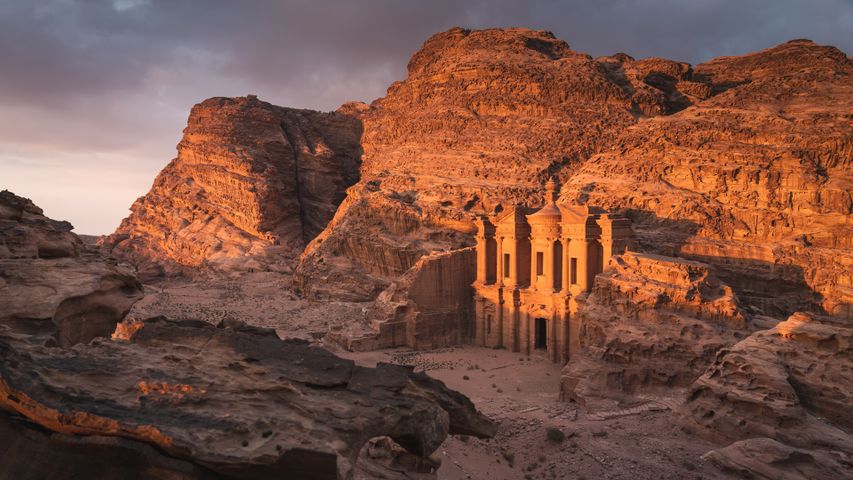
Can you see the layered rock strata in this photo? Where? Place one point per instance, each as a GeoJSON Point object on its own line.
{"type": "Point", "coordinates": [754, 179]}
{"type": "Point", "coordinates": [650, 324]}
{"type": "Point", "coordinates": [741, 162]}
{"type": "Point", "coordinates": [428, 307]}
{"type": "Point", "coordinates": [251, 185]}
{"type": "Point", "coordinates": [181, 399]}
{"type": "Point", "coordinates": [51, 285]}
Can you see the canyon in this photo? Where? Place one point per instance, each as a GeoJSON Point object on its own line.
{"type": "Point", "coordinates": [720, 333]}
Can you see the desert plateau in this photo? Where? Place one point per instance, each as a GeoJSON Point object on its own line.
{"type": "Point", "coordinates": [522, 261]}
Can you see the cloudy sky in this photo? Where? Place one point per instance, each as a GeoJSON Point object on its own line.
{"type": "Point", "coordinates": [94, 93]}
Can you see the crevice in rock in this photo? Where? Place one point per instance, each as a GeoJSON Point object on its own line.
{"type": "Point", "coordinates": [297, 173]}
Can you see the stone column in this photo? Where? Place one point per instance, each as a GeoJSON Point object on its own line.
{"type": "Point", "coordinates": [607, 251]}
{"type": "Point", "coordinates": [534, 282]}
{"type": "Point", "coordinates": [479, 318]}
{"type": "Point", "coordinates": [483, 319]}
{"type": "Point", "coordinates": [516, 330]}
{"type": "Point", "coordinates": [552, 337]}
{"type": "Point", "coordinates": [583, 264]}
{"type": "Point", "coordinates": [482, 259]}
{"type": "Point", "coordinates": [499, 311]}
{"type": "Point", "coordinates": [567, 263]}
{"type": "Point", "coordinates": [513, 262]}
{"type": "Point", "coordinates": [549, 266]}
{"type": "Point", "coordinates": [500, 269]}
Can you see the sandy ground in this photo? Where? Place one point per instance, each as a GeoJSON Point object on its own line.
{"type": "Point", "coordinates": [521, 393]}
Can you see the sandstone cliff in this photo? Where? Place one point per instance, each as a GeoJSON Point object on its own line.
{"type": "Point", "coordinates": [251, 185]}
{"type": "Point", "coordinates": [755, 180]}
{"type": "Point", "coordinates": [741, 162]}
{"type": "Point", "coordinates": [182, 399]}
{"type": "Point", "coordinates": [481, 121]}
{"type": "Point", "coordinates": [427, 307]}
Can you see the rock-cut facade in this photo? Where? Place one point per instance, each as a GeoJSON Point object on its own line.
{"type": "Point", "coordinates": [534, 269]}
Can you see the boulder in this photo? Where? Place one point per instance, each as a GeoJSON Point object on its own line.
{"type": "Point", "coordinates": [51, 284]}
{"type": "Point", "coordinates": [791, 383]}
{"type": "Point", "coordinates": [764, 458]}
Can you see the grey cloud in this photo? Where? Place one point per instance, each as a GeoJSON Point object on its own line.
{"type": "Point", "coordinates": [118, 77]}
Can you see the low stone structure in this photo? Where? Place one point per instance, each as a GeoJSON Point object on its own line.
{"type": "Point", "coordinates": [428, 307]}
{"type": "Point", "coordinates": [534, 269]}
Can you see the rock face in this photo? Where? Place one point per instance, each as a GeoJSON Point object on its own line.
{"type": "Point", "coordinates": [51, 285]}
{"type": "Point", "coordinates": [651, 323]}
{"type": "Point", "coordinates": [480, 123]}
{"type": "Point", "coordinates": [428, 307]}
{"type": "Point", "coordinates": [433, 299]}
{"type": "Point", "coordinates": [791, 383]}
{"type": "Point", "coordinates": [741, 162]}
{"type": "Point", "coordinates": [37, 453]}
{"type": "Point", "coordinates": [251, 185]}
{"type": "Point", "coordinates": [230, 401]}
{"type": "Point", "coordinates": [755, 179]}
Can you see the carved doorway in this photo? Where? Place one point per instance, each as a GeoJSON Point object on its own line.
{"type": "Point", "coordinates": [541, 334]}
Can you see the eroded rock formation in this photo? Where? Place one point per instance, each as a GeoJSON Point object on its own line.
{"type": "Point", "coordinates": [767, 458]}
{"type": "Point", "coordinates": [791, 383]}
{"type": "Point", "coordinates": [51, 285]}
{"type": "Point", "coordinates": [251, 185]}
{"type": "Point", "coordinates": [650, 324]}
{"type": "Point", "coordinates": [741, 162]}
{"type": "Point", "coordinates": [428, 307]}
{"type": "Point", "coordinates": [755, 179]}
